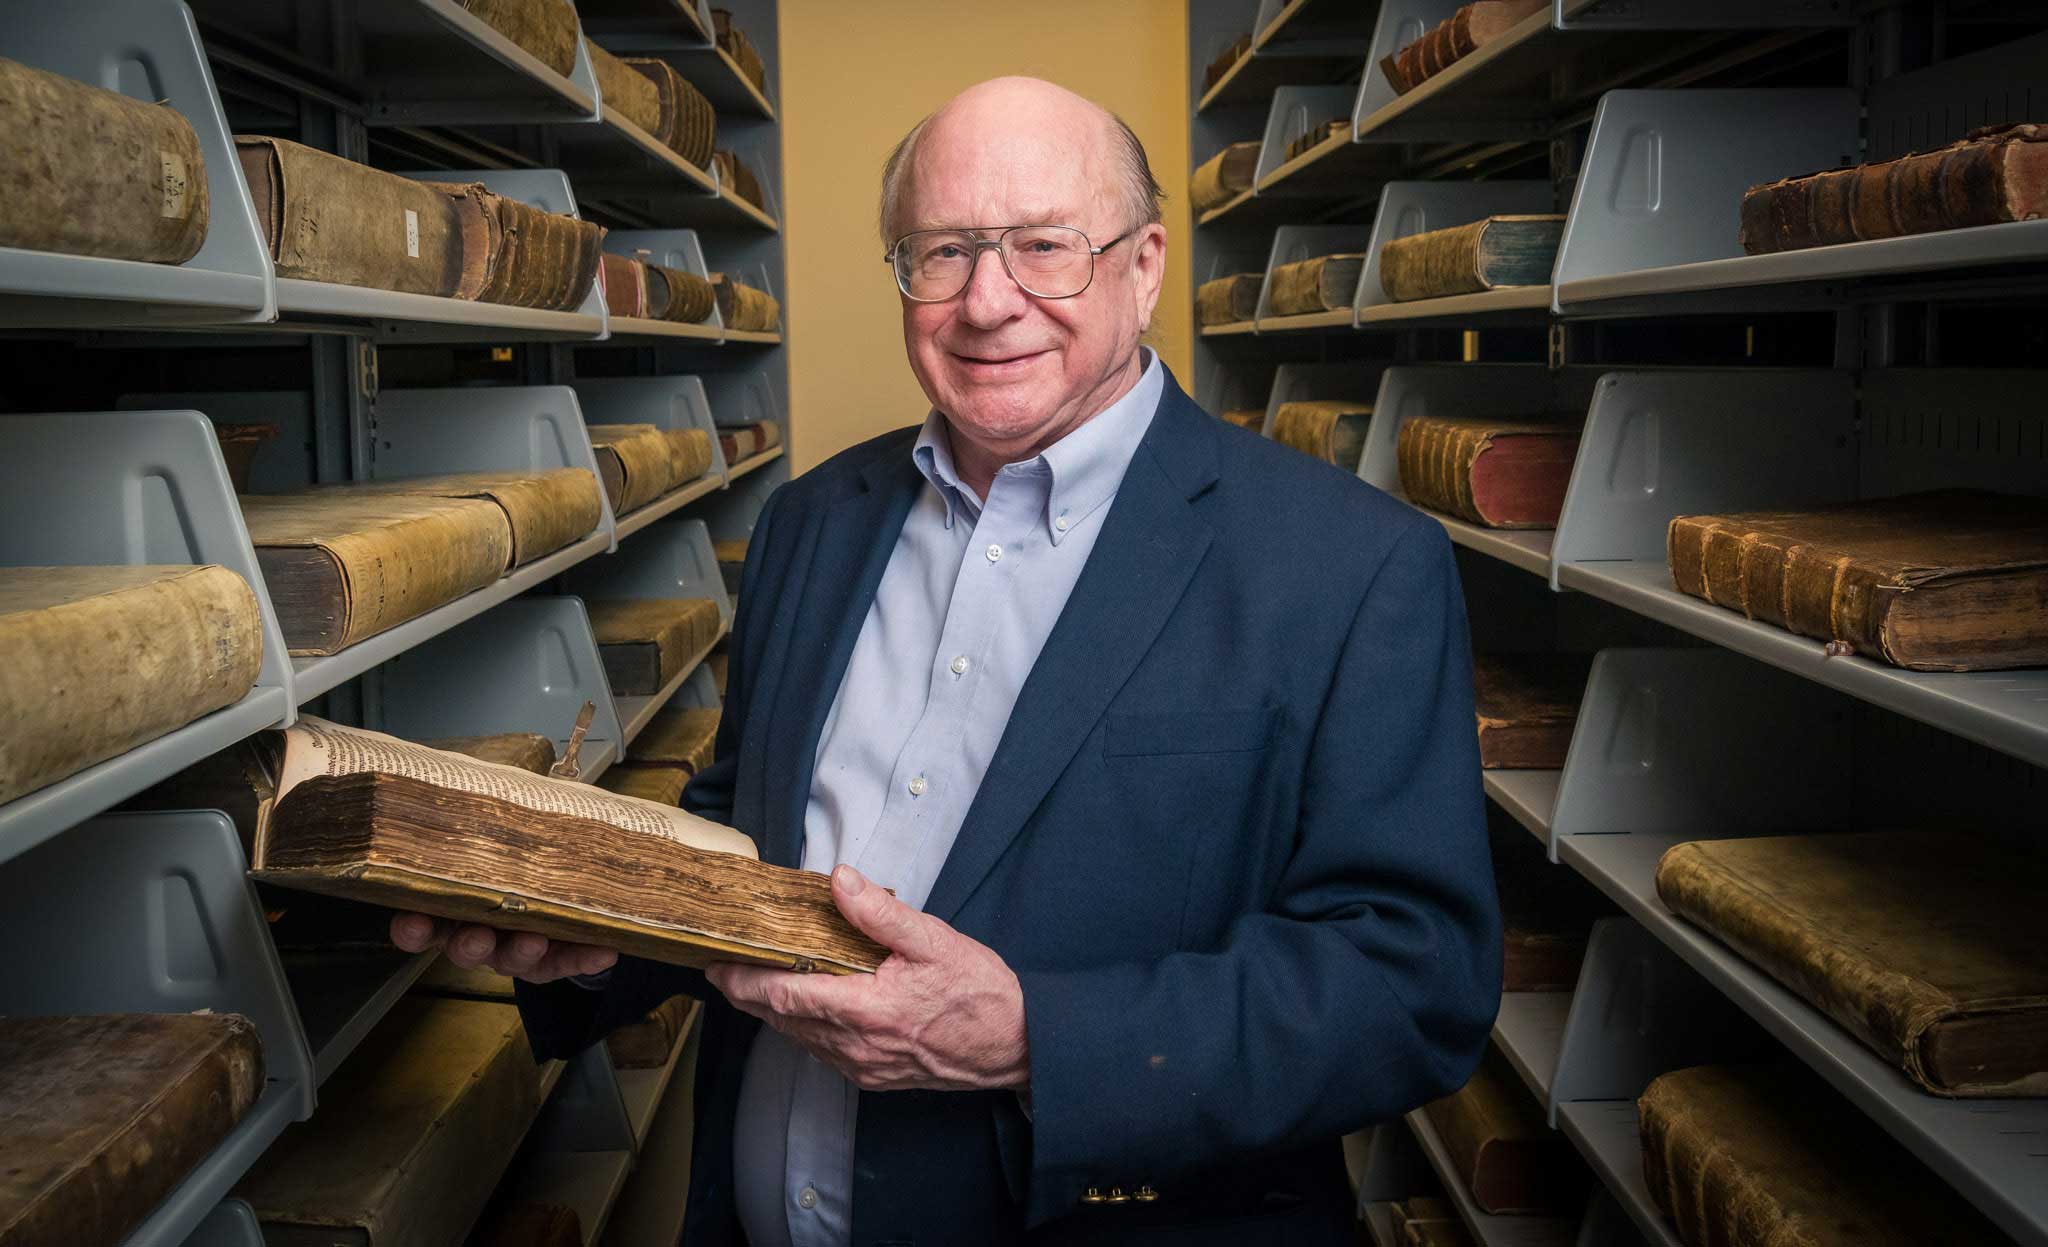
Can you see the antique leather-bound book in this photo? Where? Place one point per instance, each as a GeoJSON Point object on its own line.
{"type": "Point", "coordinates": [1332, 430]}
{"type": "Point", "coordinates": [740, 48]}
{"type": "Point", "coordinates": [678, 736]}
{"type": "Point", "coordinates": [184, 640]}
{"type": "Point", "coordinates": [635, 463]}
{"type": "Point", "coordinates": [735, 177]}
{"type": "Point", "coordinates": [1325, 283]}
{"type": "Point", "coordinates": [1527, 705]}
{"type": "Point", "coordinates": [1926, 946]}
{"type": "Point", "coordinates": [547, 509]}
{"type": "Point", "coordinates": [1224, 176]}
{"type": "Point", "coordinates": [689, 453]}
{"type": "Point", "coordinates": [1316, 136]}
{"type": "Point", "coordinates": [650, 1042]}
{"type": "Point", "coordinates": [1458, 36]}
{"type": "Point", "coordinates": [1770, 1156]}
{"type": "Point", "coordinates": [545, 28]}
{"type": "Point", "coordinates": [411, 1134]}
{"type": "Point", "coordinates": [1547, 911]}
{"type": "Point", "coordinates": [662, 785]}
{"type": "Point", "coordinates": [1993, 175]}
{"type": "Point", "coordinates": [342, 566]}
{"type": "Point", "coordinates": [678, 295]}
{"type": "Point", "coordinates": [625, 284]}
{"type": "Point", "coordinates": [528, 751]}
{"type": "Point", "coordinates": [102, 1116]}
{"type": "Point", "coordinates": [1228, 300]}
{"type": "Point", "coordinates": [1225, 61]}
{"type": "Point", "coordinates": [94, 172]}
{"type": "Point", "coordinates": [370, 818]}
{"type": "Point", "coordinates": [1489, 254]}
{"type": "Point", "coordinates": [1950, 580]}
{"type": "Point", "coordinates": [516, 1222]}
{"type": "Point", "coordinates": [626, 92]}
{"type": "Point", "coordinates": [527, 256]}
{"type": "Point", "coordinates": [326, 218]}
{"type": "Point", "coordinates": [1503, 1150]}
{"type": "Point", "coordinates": [685, 123]}
{"type": "Point", "coordinates": [1500, 473]}
{"type": "Point", "coordinates": [716, 664]}
{"type": "Point", "coordinates": [645, 642]}
{"type": "Point", "coordinates": [238, 446]}
{"type": "Point", "coordinates": [744, 441]}
{"type": "Point", "coordinates": [743, 307]}
{"type": "Point", "coordinates": [1252, 419]}
{"type": "Point", "coordinates": [732, 561]}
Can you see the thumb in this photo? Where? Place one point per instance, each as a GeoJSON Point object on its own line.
{"type": "Point", "coordinates": [881, 917]}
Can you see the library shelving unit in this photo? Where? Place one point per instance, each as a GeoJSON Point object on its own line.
{"type": "Point", "coordinates": [1708, 381]}
{"type": "Point", "coordinates": [124, 367]}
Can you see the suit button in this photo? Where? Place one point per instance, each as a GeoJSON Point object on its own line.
{"type": "Point", "coordinates": [1092, 1196]}
{"type": "Point", "coordinates": [1146, 1194]}
{"type": "Point", "coordinates": [1117, 1196]}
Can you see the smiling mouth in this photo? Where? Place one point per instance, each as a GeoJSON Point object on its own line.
{"type": "Point", "coordinates": [997, 361]}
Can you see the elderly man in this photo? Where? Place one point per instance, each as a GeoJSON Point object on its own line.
{"type": "Point", "coordinates": [1160, 732]}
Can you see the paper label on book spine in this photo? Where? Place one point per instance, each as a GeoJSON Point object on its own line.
{"type": "Point", "coordinates": [412, 233]}
{"type": "Point", "coordinates": [175, 186]}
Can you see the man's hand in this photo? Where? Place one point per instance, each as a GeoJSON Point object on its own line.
{"type": "Point", "coordinates": [942, 1013]}
{"type": "Point", "coordinates": [521, 954]}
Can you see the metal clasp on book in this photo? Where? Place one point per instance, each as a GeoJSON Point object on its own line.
{"type": "Point", "coordinates": [567, 768]}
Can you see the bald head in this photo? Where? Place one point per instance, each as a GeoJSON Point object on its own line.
{"type": "Point", "coordinates": [1026, 125]}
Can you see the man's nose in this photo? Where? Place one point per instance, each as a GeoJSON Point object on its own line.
{"type": "Point", "coordinates": [992, 296]}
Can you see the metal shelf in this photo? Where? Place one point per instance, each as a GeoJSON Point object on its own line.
{"type": "Point", "coordinates": [1294, 42]}
{"type": "Point", "coordinates": [761, 460]}
{"type": "Point", "coordinates": [232, 1223]}
{"type": "Point", "coordinates": [341, 996]}
{"type": "Point", "coordinates": [643, 1089]}
{"type": "Point", "coordinates": [656, 17]}
{"type": "Point", "coordinates": [1527, 796]}
{"type": "Point", "coordinates": [650, 1209]}
{"type": "Point", "coordinates": [1510, 305]}
{"type": "Point", "coordinates": [1489, 1230]}
{"type": "Point", "coordinates": [1604, 1131]}
{"type": "Point", "coordinates": [1526, 548]}
{"type": "Point", "coordinates": [1235, 327]}
{"type": "Point", "coordinates": [708, 67]}
{"type": "Point", "coordinates": [588, 1182]}
{"type": "Point", "coordinates": [1529, 1030]}
{"type": "Point", "coordinates": [691, 687]}
{"type": "Point", "coordinates": [671, 402]}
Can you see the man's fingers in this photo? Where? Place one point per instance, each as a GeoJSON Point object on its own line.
{"type": "Point", "coordinates": [884, 919]}
{"type": "Point", "coordinates": [774, 991]}
{"type": "Point", "coordinates": [471, 946]}
{"type": "Point", "coordinates": [416, 933]}
{"type": "Point", "coordinates": [519, 952]}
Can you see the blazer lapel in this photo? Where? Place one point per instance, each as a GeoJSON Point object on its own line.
{"type": "Point", "coordinates": [849, 549]}
{"type": "Point", "coordinates": [1152, 541]}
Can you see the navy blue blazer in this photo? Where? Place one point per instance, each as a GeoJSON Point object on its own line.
{"type": "Point", "coordinates": [1232, 843]}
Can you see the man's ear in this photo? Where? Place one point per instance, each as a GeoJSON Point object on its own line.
{"type": "Point", "coordinates": [1148, 268]}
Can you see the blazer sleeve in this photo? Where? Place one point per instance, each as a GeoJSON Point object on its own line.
{"type": "Point", "coordinates": [563, 1018]}
{"type": "Point", "coordinates": [1368, 984]}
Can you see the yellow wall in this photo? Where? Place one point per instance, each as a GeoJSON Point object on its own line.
{"type": "Point", "coordinates": [857, 74]}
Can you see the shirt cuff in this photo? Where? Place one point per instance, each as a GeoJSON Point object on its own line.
{"type": "Point", "coordinates": [593, 982]}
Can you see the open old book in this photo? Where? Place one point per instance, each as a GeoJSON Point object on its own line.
{"type": "Point", "coordinates": [368, 817]}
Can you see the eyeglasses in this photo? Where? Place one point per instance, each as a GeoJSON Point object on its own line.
{"type": "Point", "coordinates": [1049, 261]}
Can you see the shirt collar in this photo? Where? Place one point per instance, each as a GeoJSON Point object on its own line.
{"type": "Point", "coordinates": [1086, 465]}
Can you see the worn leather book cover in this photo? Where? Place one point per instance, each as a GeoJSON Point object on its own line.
{"type": "Point", "coordinates": [743, 441]}
{"type": "Point", "coordinates": [678, 736]}
{"type": "Point", "coordinates": [1499, 473]}
{"type": "Point", "coordinates": [1224, 176]}
{"type": "Point", "coordinates": [741, 49]}
{"type": "Point", "coordinates": [527, 751]}
{"type": "Point", "coordinates": [1315, 136]}
{"type": "Point", "coordinates": [685, 123]}
{"type": "Point", "coordinates": [731, 554]}
{"type": "Point", "coordinates": [1323, 284]}
{"type": "Point", "coordinates": [656, 782]}
{"type": "Point", "coordinates": [528, 256]}
{"type": "Point", "coordinates": [689, 453]}
{"type": "Point", "coordinates": [1547, 911]}
{"type": "Point", "coordinates": [1250, 419]}
{"type": "Point", "coordinates": [1228, 300]}
{"type": "Point", "coordinates": [342, 566]}
{"type": "Point", "coordinates": [326, 218]}
{"type": "Point", "coordinates": [370, 818]}
{"type": "Point", "coordinates": [1503, 1150]}
{"type": "Point", "coordinates": [1950, 580]}
{"type": "Point", "coordinates": [545, 28]}
{"type": "Point", "coordinates": [1527, 705]}
{"type": "Point", "coordinates": [743, 307]}
{"type": "Point", "coordinates": [104, 1115]}
{"type": "Point", "coordinates": [185, 640]}
{"type": "Point", "coordinates": [650, 1042]}
{"type": "Point", "coordinates": [1458, 36]}
{"type": "Point", "coordinates": [626, 92]}
{"type": "Point", "coordinates": [1991, 176]}
{"type": "Point", "coordinates": [1490, 254]}
{"type": "Point", "coordinates": [1225, 61]}
{"type": "Point", "coordinates": [93, 172]}
{"type": "Point", "coordinates": [625, 285]}
{"type": "Point", "coordinates": [1926, 946]}
{"type": "Point", "coordinates": [646, 642]}
{"type": "Point", "coordinates": [238, 446]}
{"type": "Point", "coordinates": [411, 1135]}
{"type": "Point", "coordinates": [1332, 430]}
{"type": "Point", "coordinates": [1770, 1156]}
{"type": "Point", "coordinates": [678, 295]}
{"type": "Point", "coordinates": [546, 510]}
{"type": "Point", "coordinates": [634, 462]}
{"type": "Point", "coordinates": [737, 179]}
{"type": "Point", "coordinates": [511, 1221]}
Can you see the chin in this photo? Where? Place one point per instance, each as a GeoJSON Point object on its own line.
{"type": "Point", "coordinates": [1000, 416]}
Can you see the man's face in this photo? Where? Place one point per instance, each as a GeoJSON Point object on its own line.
{"type": "Point", "coordinates": [1009, 369]}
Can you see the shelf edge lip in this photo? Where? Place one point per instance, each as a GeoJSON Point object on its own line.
{"type": "Point", "coordinates": [1643, 1213]}
{"type": "Point", "coordinates": [761, 460]}
{"type": "Point", "coordinates": [355, 304]}
{"type": "Point", "coordinates": [666, 505]}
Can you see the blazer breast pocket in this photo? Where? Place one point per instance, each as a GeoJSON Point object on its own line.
{"type": "Point", "coordinates": [1187, 732]}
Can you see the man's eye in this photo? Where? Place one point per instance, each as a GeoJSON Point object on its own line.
{"type": "Point", "coordinates": [946, 252]}
{"type": "Point", "coordinates": [1042, 247]}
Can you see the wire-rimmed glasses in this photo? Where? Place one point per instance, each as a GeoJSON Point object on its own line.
{"type": "Point", "coordinates": [1049, 261]}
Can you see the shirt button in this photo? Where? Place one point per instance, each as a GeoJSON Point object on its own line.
{"type": "Point", "coordinates": [918, 785]}
{"type": "Point", "coordinates": [960, 665]}
{"type": "Point", "coordinates": [995, 553]}
{"type": "Point", "coordinates": [807, 1198]}
{"type": "Point", "coordinates": [1060, 523]}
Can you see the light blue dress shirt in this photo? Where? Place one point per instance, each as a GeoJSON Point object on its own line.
{"type": "Point", "coordinates": [970, 593]}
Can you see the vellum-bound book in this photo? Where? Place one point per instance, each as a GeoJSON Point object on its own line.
{"type": "Point", "coordinates": [685, 122]}
{"type": "Point", "coordinates": [744, 308]}
{"type": "Point", "coordinates": [651, 1041]}
{"type": "Point", "coordinates": [1332, 430]}
{"type": "Point", "coordinates": [545, 28]}
{"type": "Point", "coordinates": [327, 218]}
{"type": "Point", "coordinates": [645, 642]}
{"type": "Point", "coordinates": [678, 736]}
{"type": "Point", "coordinates": [678, 295]}
{"type": "Point", "coordinates": [661, 784]}
{"type": "Point", "coordinates": [635, 463]}
{"type": "Point", "coordinates": [1228, 300]}
{"type": "Point", "coordinates": [690, 453]}
{"type": "Point", "coordinates": [741, 442]}
{"type": "Point", "coordinates": [527, 751]}
{"type": "Point", "coordinates": [625, 91]}
{"type": "Point", "coordinates": [1224, 176]}
{"type": "Point", "coordinates": [520, 255]}
{"type": "Point", "coordinates": [1251, 419]}
{"type": "Point", "coordinates": [1324, 284]}
{"type": "Point", "coordinates": [546, 510]}
{"type": "Point", "coordinates": [1490, 254]}
{"type": "Point", "coordinates": [368, 817]}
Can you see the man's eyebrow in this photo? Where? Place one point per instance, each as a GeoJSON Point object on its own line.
{"type": "Point", "coordinates": [1032, 216]}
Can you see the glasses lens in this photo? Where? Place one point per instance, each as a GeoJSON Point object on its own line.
{"type": "Point", "coordinates": [934, 264]}
{"type": "Point", "coordinates": [1050, 261]}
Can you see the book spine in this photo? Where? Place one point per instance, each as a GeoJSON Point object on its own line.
{"type": "Point", "coordinates": [1396, 74]}
{"type": "Point", "coordinates": [1433, 264]}
{"type": "Point", "coordinates": [547, 260]}
{"type": "Point", "coordinates": [1831, 597]}
{"type": "Point", "coordinates": [1515, 253]}
{"type": "Point", "coordinates": [625, 91]}
{"type": "Point", "coordinates": [1406, 462]}
{"type": "Point", "coordinates": [1685, 545]}
{"type": "Point", "coordinates": [1721, 565]}
{"type": "Point", "coordinates": [689, 296]}
{"type": "Point", "coordinates": [625, 285]}
{"type": "Point", "coordinates": [1471, 442]}
{"type": "Point", "coordinates": [93, 172]}
{"type": "Point", "coordinates": [1956, 187]}
{"type": "Point", "coordinates": [549, 511]}
{"type": "Point", "coordinates": [1296, 288]}
{"type": "Point", "coordinates": [1443, 464]}
{"type": "Point", "coordinates": [1205, 188]}
{"type": "Point", "coordinates": [342, 222]}
{"type": "Point", "coordinates": [544, 28]}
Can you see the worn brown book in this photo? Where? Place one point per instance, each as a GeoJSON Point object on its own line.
{"type": "Point", "coordinates": [651, 1041]}
{"type": "Point", "coordinates": [744, 308]}
{"type": "Point", "coordinates": [678, 295]}
{"type": "Point", "coordinates": [1252, 419]}
{"type": "Point", "coordinates": [545, 28]}
{"type": "Point", "coordinates": [1224, 176]}
{"type": "Point", "coordinates": [685, 122]}
{"type": "Point", "coordinates": [689, 453]}
{"type": "Point", "coordinates": [1458, 36]}
{"type": "Point", "coordinates": [238, 446]}
{"type": "Point", "coordinates": [646, 642]}
{"type": "Point", "coordinates": [185, 640]}
{"type": "Point", "coordinates": [102, 1116]}
{"type": "Point", "coordinates": [1770, 1156]}
{"type": "Point", "coordinates": [528, 256]}
{"type": "Point", "coordinates": [625, 285]}
{"type": "Point", "coordinates": [735, 178]}
{"type": "Point", "coordinates": [1926, 946]}
{"type": "Point", "coordinates": [717, 661]}
{"type": "Point", "coordinates": [411, 1134]}
{"type": "Point", "coordinates": [94, 172]}
{"type": "Point", "coordinates": [512, 1221]}
{"type": "Point", "coordinates": [326, 218]}
{"type": "Point", "coordinates": [1490, 254]}
{"type": "Point", "coordinates": [1547, 910]}
{"type": "Point", "coordinates": [661, 784]}
{"type": "Point", "coordinates": [743, 441]}
{"type": "Point", "coordinates": [1503, 1150]}
{"type": "Point", "coordinates": [624, 91]}
{"type": "Point", "coordinates": [546, 510]}
{"type": "Point", "coordinates": [635, 463]}
{"type": "Point", "coordinates": [1993, 175]}
{"type": "Point", "coordinates": [370, 818]}
{"type": "Point", "coordinates": [1228, 300]}
{"type": "Point", "coordinates": [1332, 430]}
{"type": "Point", "coordinates": [1225, 61]}
{"type": "Point", "coordinates": [1951, 580]}
{"type": "Point", "coordinates": [678, 736]}
{"type": "Point", "coordinates": [443, 977]}
{"type": "Point", "coordinates": [527, 751]}
{"type": "Point", "coordinates": [732, 39]}
{"type": "Point", "coordinates": [731, 554]}
{"type": "Point", "coordinates": [1527, 705]}
{"type": "Point", "coordinates": [1315, 136]}
{"type": "Point", "coordinates": [1500, 473]}
{"type": "Point", "coordinates": [1325, 283]}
